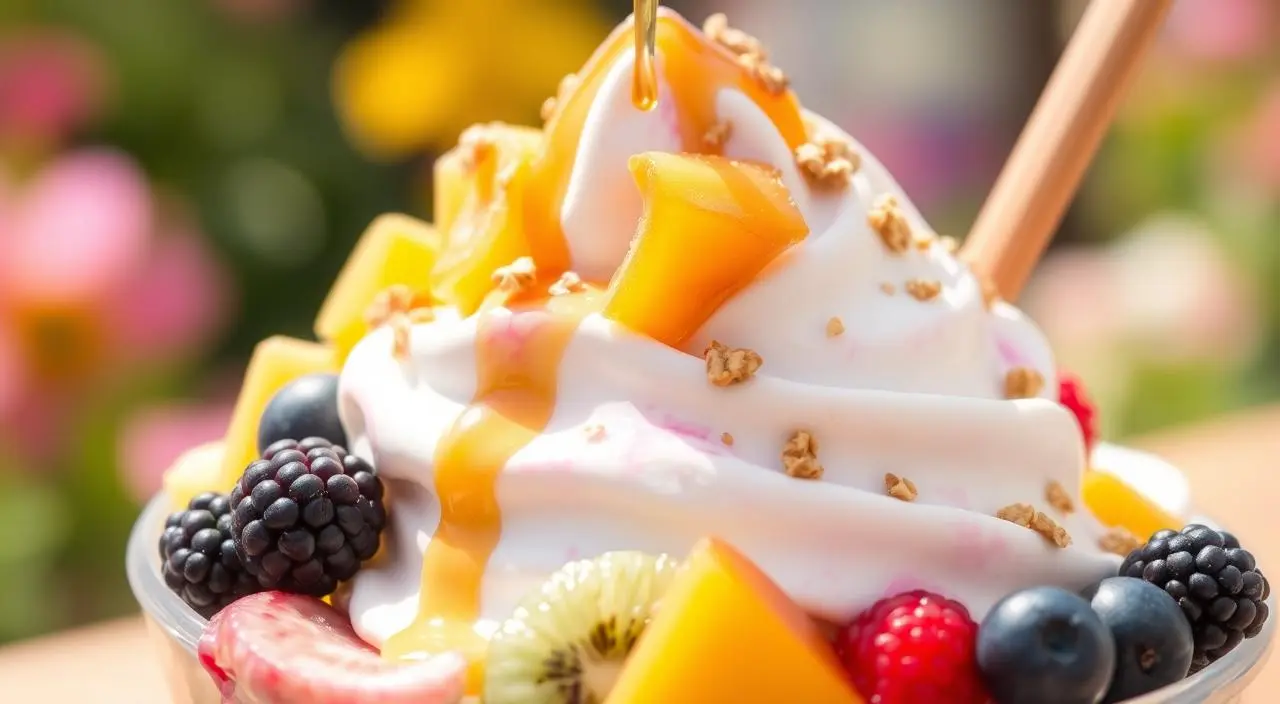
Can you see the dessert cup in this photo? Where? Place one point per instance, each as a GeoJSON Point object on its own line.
{"type": "Point", "coordinates": [175, 629]}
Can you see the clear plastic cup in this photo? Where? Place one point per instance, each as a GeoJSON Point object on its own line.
{"type": "Point", "coordinates": [175, 630]}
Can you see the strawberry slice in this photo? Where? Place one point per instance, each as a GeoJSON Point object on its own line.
{"type": "Point", "coordinates": [278, 648]}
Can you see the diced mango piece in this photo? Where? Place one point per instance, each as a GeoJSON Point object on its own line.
{"type": "Point", "coordinates": [276, 361]}
{"type": "Point", "coordinates": [394, 250]}
{"type": "Point", "coordinates": [1115, 503]}
{"type": "Point", "coordinates": [479, 206]}
{"type": "Point", "coordinates": [194, 472]}
{"type": "Point", "coordinates": [726, 633]}
{"type": "Point", "coordinates": [710, 226]}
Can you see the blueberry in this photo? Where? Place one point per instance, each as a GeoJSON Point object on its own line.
{"type": "Point", "coordinates": [305, 407]}
{"type": "Point", "coordinates": [1045, 645]}
{"type": "Point", "coordinates": [1153, 641]}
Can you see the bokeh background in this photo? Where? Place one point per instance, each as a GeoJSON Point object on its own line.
{"type": "Point", "coordinates": [181, 178]}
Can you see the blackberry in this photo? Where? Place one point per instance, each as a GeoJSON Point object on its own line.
{"type": "Point", "coordinates": [198, 556]}
{"type": "Point", "coordinates": [306, 515]}
{"type": "Point", "coordinates": [1215, 582]}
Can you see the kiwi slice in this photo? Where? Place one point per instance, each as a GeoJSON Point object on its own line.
{"type": "Point", "coordinates": [567, 641]}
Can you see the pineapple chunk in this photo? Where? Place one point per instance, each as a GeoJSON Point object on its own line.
{"type": "Point", "coordinates": [394, 250]}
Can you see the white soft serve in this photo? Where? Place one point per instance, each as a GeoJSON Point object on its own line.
{"type": "Point", "coordinates": [914, 388]}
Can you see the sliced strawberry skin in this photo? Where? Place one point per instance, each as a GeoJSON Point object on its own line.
{"type": "Point", "coordinates": [278, 648]}
{"type": "Point", "coordinates": [1072, 394]}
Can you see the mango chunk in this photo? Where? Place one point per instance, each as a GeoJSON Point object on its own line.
{"type": "Point", "coordinates": [276, 361]}
{"type": "Point", "coordinates": [194, 472]}
{"type": "Point", "coordinates": [1115, 503]}
{"type": "Point", "coordinates": [480, 187]}
{"type": "Point", "coordinates": [710, 226]}
{"type": "Point", "coordinates": [726, 633]}
{"type": "Point", "coordinates": [394, 250]}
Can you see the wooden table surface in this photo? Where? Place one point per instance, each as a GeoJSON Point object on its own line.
{"type": "Point", "coordinates": [1232, 464]}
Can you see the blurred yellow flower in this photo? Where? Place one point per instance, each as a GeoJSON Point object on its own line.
{"type": "Point", "coordinates": [433, 67]}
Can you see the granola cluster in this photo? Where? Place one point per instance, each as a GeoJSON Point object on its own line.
{"type": "Point", "coordinates": [835, 327]}
{"type": "Point", "coordinates": [1119, 541]}
{"type": "Point", "coordinates": [516, 276]}
{"type": "Point", "coordinates": [827, 161]}
{"type": "Point", "coordinates": [800, 456]}
{"type": "Point", "coordinates": [398, 307]}
{"type": "Point", "coordinates": [1056, 495]}
{"type": "Point", "coordinates": [728, 366]}
{"type": "Point", "coordinates": [750, 52]}
{"type": "Point", "coordinates": [1022, 382]}
{"type": "Point", "coordinates": [1027, 516]}
{"type": "Point", "coordinates": [923, 289]}
{"type": "Point", "coordinates": [900, 488]}
{"type": "Point", "coordinates": [887, 219]}
{"type": "Point", "coordinates": [569, 282]}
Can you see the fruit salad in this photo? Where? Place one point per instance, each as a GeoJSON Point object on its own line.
{"type": "Point", "coordinates": [683, 403]}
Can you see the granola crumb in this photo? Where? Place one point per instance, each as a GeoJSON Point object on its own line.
{"type": "Point", "coordinates": [923, 289]}
{"type": "Point", "coordinates": [1020, 514]}
{"type": "Point", "coordinates": [397, 299]}
{"type": "Point", "coordinates": [888, 288]}
{"type": "Point", "coordinates": [750, 52]}
{"type": "Point", "coordinates": [1119, 541]}
{"type": "Point", "coordinates": [595, 432]}
{"type": "Point", "coordinates": [835, 327]}
{"type": "Point", "coordinates": [889, 222]}
{"type": "Point", "coordinates": [1022, 382]}
{"type": "Point", "coordinates": [923, 243]}
{"type": "Point", "coordinates": [800, 456]}
{"type": "Point", "coordinates": [717, 135]}
{"type": "Point", "coordinates": [717, 29]}
{"type": "Point", "coordinates": [949, 244]}
{"type": "Point", "coordinates": [727, 439]}
{"type": "Point", "coordinates": [569, 282]}
{"type": "Point", "coordinates": [1027, 516]}
{"type": "Point", "coordinates": [516, 276]}
{"type": "Point", "coordinates": [827, 161]}
{"type": "Point", "coordinates": [1056, 495]}
{"type": "Point", "coordinates": [728, 366]}
{"type": "Point", "coordinates": [900, 488]}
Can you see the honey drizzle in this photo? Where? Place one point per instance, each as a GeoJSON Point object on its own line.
{"type": "Point", "coordinates": [644, 80]}
{"type": "Point", "coordinates": [516, 380]}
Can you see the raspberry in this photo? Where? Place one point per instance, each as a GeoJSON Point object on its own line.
{"type": "Point", "coordinates": [306, 516]}
{"type": "Point", "coordinates": [1071, 393]}
{"type": "Point", "coordinates": [913, 648]}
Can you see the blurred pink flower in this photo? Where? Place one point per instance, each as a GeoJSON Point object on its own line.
{"type": "Point", "coordinates": [1220, 29]}
{"type": "Point", "coordinates": [50, 83]}
{"type": "Point", "coordinates": [92, 284]}
{"type": "Point", "coordinates": [154, 437]}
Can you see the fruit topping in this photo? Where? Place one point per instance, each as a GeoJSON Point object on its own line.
{"type": "Point", "coordinates": [726, 633]}
{"type": "Point", "coordinates": [306, 407]}
{"type": "Point", "coordinates": [710, 226]}
{"type": "Point", "coordinates": [1071, 393]}
{"type": "Point", "coordinates": [276, 362]}
{"type": "Point", "coordinates": [306, 516]}
{"type": "Point", "coordinates": [1117, 504]}
{"type": "Point", "coordinates": [278, 648]}
{"type": "Point", "coordinates": [1045, 645]}
{"type": "Point", "coordinates": [1153, 640]}
{"type": "Point", "coordinates": [395, 250]}
{"type": "Point", "coordinates": [194, 472]}
{"type": "Point", "coordinates": [482, 220]}
{"type": "Point", "coordinates": [567, 641]}
{"type": "Point", "coordinates": [1213, 579]}
{"type": "Point", "coordinates": [913, 648]}
{"type": "Point", "coordinates": [198, 558]}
